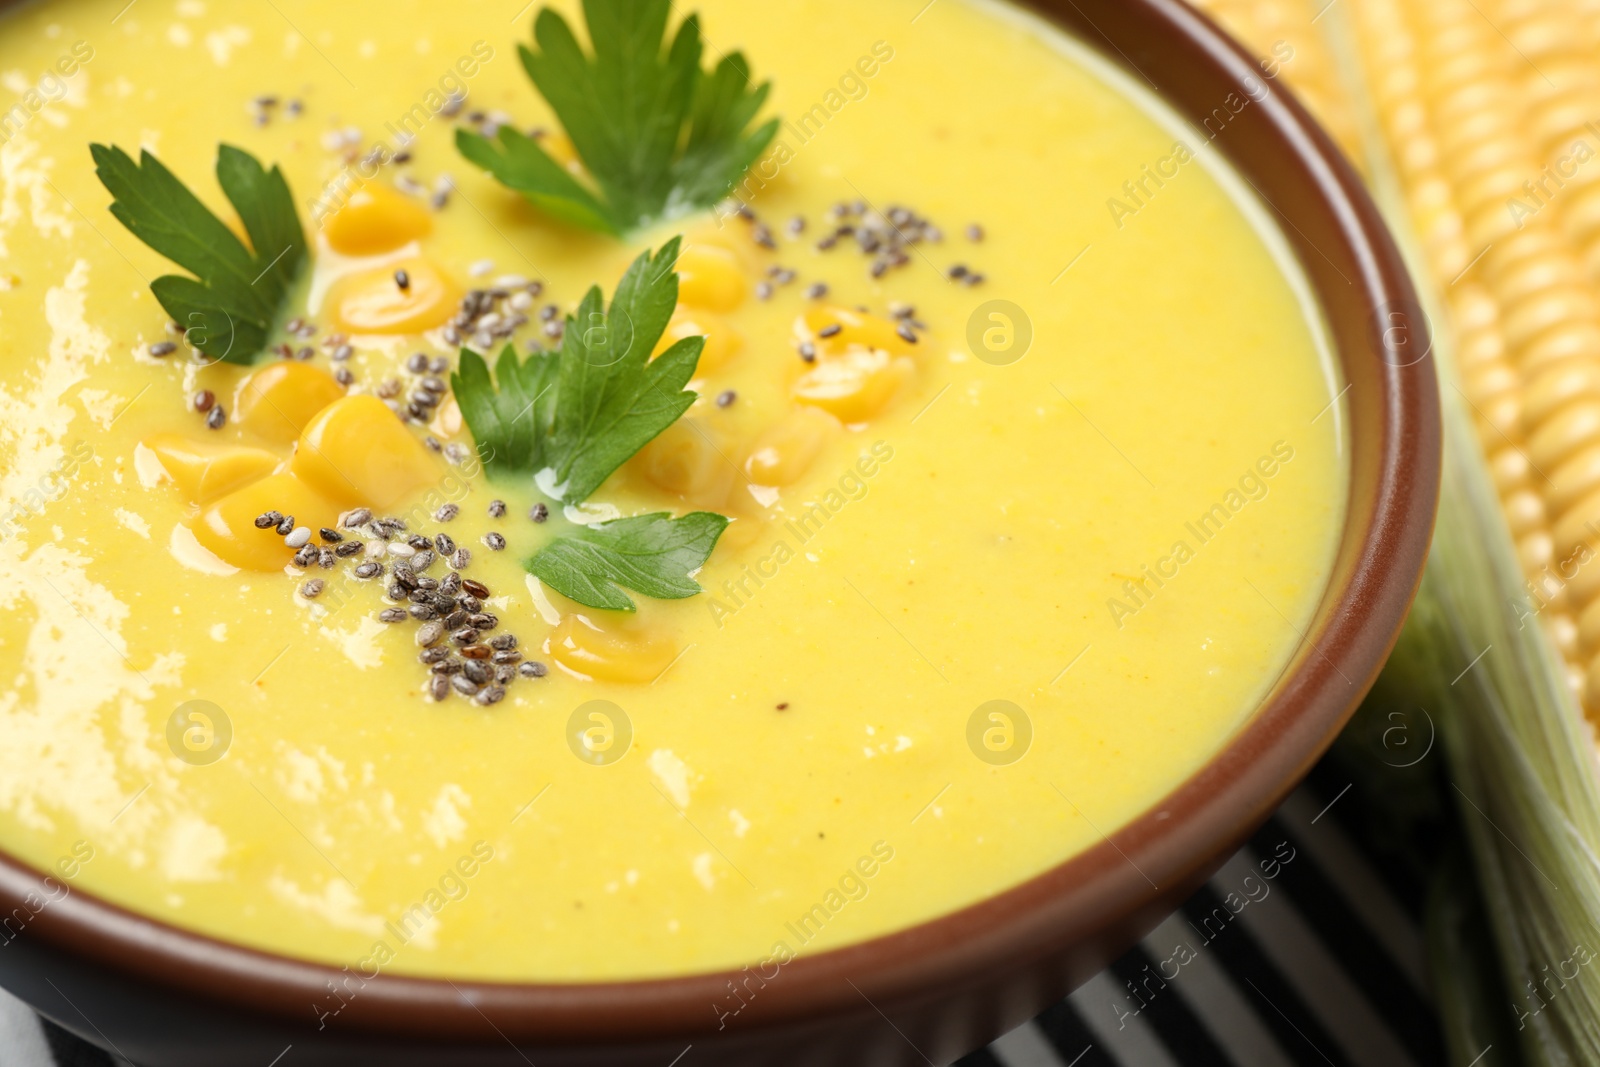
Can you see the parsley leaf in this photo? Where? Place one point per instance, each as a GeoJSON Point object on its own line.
{"type": "Point", "coordinates": [650, 554]}
{"type": "Point", "coordinates": [585, 409]}
{"type": "Point", "coordinates": [660, 136]}
{"type": "Point", "coordinates": [230, 305]}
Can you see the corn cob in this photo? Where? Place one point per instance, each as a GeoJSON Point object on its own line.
{"type": "Point", "coordinates": [1487, 109]}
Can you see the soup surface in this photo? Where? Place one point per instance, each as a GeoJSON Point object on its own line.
{"type": "Point", "coordinates": [1001, 610]}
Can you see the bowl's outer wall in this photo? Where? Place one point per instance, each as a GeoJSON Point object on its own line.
{"type": "Point", "coordinates": [169, 998]}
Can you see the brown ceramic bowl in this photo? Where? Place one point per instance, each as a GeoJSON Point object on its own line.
{"type": "Point", "coordinates": [167, 998]}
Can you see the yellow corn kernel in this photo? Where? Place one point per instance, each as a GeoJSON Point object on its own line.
{"type": "Point", "coordinates": [227, 525]}
{"type": "Point", "coordinates": [618, 652]}
{"type": "Point", "coordinates": [723, 342]}
{"type": "Point", "coordinates": [856, 329]}
{"type": "Point", "coordinates": [357, 452]}
{"type": "Point", "coordinates": [372, 301]}
{"type": "Point", "coordinates": [1563, 632]}
{"type": "Point", "coordinates": [376, 219]}
{"type": "Point", "coordinates": [785, 452]}
{"type": "Point", "coordinates": [1589, 628]}
{"type": "Point", "coordinates": [710, 277]}
{"type": "Point", "coordinates": [205, 470]}
{"type": "Point", "coordinates": [280, 400]}
{"type": "Point", "coordinates": [686, 459]}
{"type": "Point", "coordinates": [855, 386]}
{"type": "Point", "coordinates": [1564, 433]}
{"type": "Point", "coordinates": [1573, 480]}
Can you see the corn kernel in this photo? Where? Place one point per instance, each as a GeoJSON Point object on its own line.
{"type": "Point", "coordinates": [227, 525]}
{"type": "Point", "coordinates": [279, 400]}
{"type": "Point", "coordinates": [205, 470]}
{"type": "Point", "coordinates": [855, 386]}
{"type": "Point", "coordinates": [723, 342]}
{"type": "Point", "coordinates": [373, 301]}
{"type": "Point", "coordinates": [619, 652]}
{"type": "Point", "coordinates": [856, 329]}
{"type": "Point", "coordinates": [376, 219]}
{"type": "Point", "coordinates": [686, 459]}
{"type": "Point", "coordinates": [785, 452]}
{"type": "Point", "coordinates": [358, 453]}
{"type": "Point", "coordinates": [710, 277]}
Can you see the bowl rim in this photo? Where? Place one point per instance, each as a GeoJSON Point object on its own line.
{"type": "Point", "coordinates": [1103, 897]}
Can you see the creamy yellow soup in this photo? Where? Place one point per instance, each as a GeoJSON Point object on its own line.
{"type": "Point", "coordinates": [985, 598]}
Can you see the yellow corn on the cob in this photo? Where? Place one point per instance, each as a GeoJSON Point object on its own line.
{"type": "Point", "coordinates": [1488, 113]}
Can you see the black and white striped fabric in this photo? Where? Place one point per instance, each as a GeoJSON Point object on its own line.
{"type": "Point", "coordinates": [1305, 950]}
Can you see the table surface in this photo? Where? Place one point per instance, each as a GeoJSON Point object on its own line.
{"type": "Point", "coordinates": [1320, 965]}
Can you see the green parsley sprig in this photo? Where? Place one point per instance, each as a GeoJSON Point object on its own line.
{"type": "Point", "coordinates": [650, 554]}
{"type": "Point", "coordinates": [660, 136]}
{"type": "Point", "coordinates": [228, 309]}
{"type": "Point", "coordinates": [581, 412]}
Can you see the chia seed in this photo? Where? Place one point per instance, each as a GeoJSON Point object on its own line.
{"type": "Point", "coordinates": [476, 652]}
{"type": "Point", "coordinates": [906, 333]}
{"type": "Point", "coordinates": [539, 513]}
{"type": "Point", "coordinates": [286, 527]}
{"type": "Point", "coordinates": [403, 280]}
{"type": "Point", "coordinates": [464, 685]}
{"type": "Point", "coordinates": [423, 612]}
{"type": "Point", "coordinates": [326, 559]}
{"type": "Point", "coordinates": [473, 587]}
{"type": "Point", "coordinates": [444, 543]}
{"type": "Point", "coordinates": [306, 556]}
{"type": "Point", "coordinates": [451, 585]}
{"type": "Point", "coordinates": [355, 519]}
{"type": "Point", "coordinates": [423, 560]}
{"type": "Point", "coordinates": [465, 636]}
{"type": "Point", "coordinates": [484, 621]}
{"type": "Point", "coordinates": [330, 536]}
{"type": "Point", "coordinates": [816, 291]}
{"type": "Point", "coordinates": [491, 695]}
{"type": "Point", "coordinates": [391, 615]}
{"type": "Point", "coordinates": [268, 520]}
{"type": "Point", "coordinates": [217, 418]}
{"type": "Point", "coordinates": [313, 589]}
{"type": "Point", "coordinates": [438, 687]}
{"type": "Point", "coordinates": [505, 675]}
{"type": "Point", "coordinates": [495, 541]}
{"type": "Point", "coordinates": [163, 348]}
{"type": "Point", "coordinates": [369, 570]}
{"type": "Point", "coordinates": [726, 398]}
{"type": "Point", "coordinates": [497, 509]}
{"type": "Point", "coordinates": [833, 329]}
{"type": "Point", "coordinates": [348, 549]}
{"type": "Point", "coordinates": [446, 514]}
{"type": "Point", "coordinates": [503, 642]}
{"type": "Point", "coordinates": [533, 669]}
{"type": "Point", "coordinates": [808, 351]}
{"type": "Point", "coordinates": [430, 634]}
{"type": "Point", "coordinates": [509, 656]}
{"type": "Point", "coordinates": [461, 558]}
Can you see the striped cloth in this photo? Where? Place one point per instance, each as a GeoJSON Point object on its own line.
{"type": "Point", "coordinates": [1303, 951]}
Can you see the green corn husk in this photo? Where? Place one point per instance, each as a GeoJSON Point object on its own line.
{"type": "Point", "coordinates": [1520, 766]}
{"type": "Point", "coordinates": [1519, 760]}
